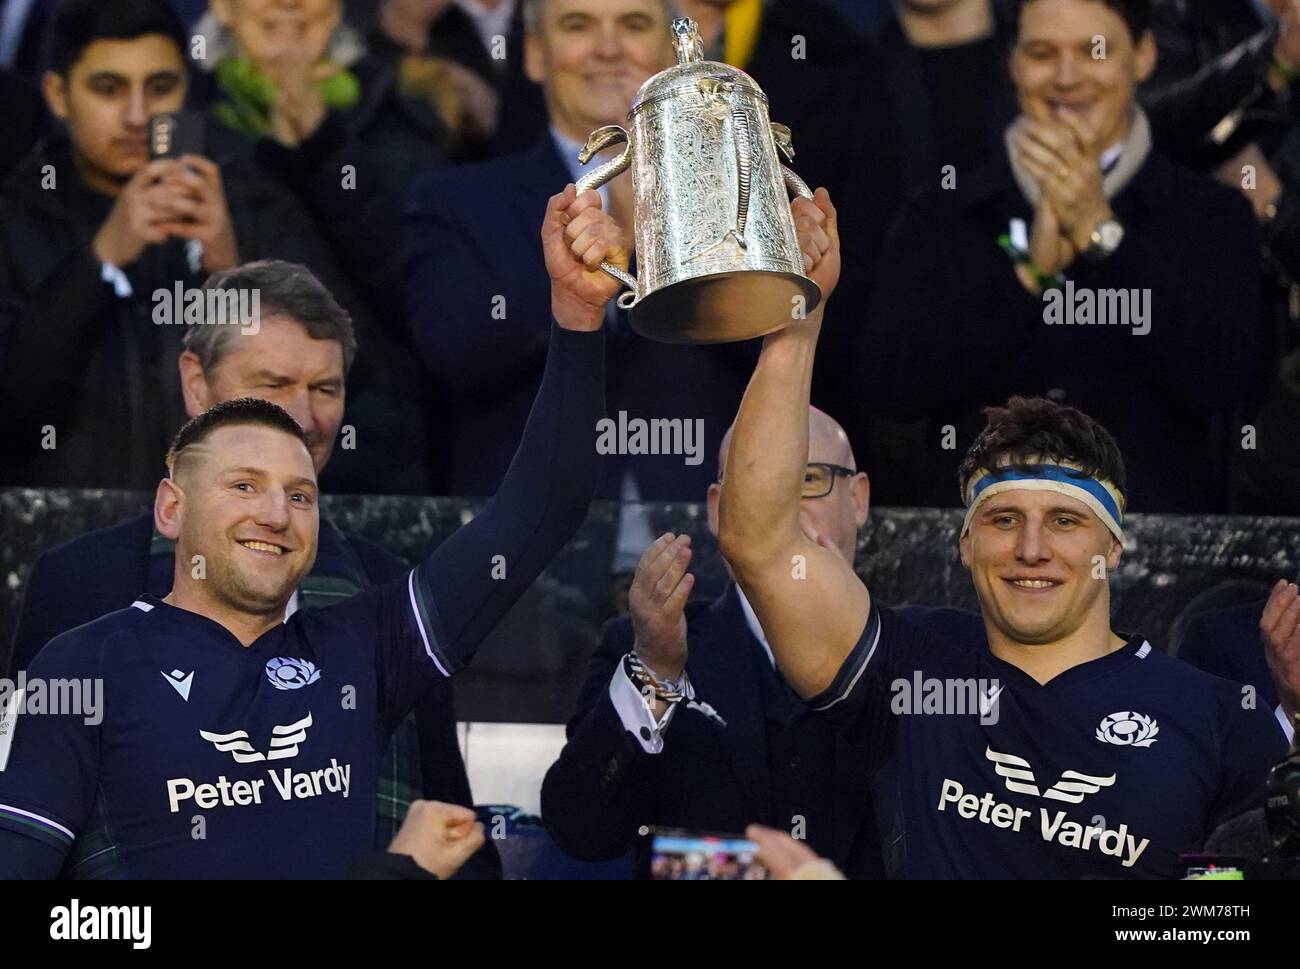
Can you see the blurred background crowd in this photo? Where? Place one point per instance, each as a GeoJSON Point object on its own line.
{"type": "Point", "coordinates": [403, 150]}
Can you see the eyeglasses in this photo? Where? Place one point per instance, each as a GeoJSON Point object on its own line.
{"type": "Point", "coordinates": [819, 478]}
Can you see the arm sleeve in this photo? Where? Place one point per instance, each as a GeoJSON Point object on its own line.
{"type": "Point", "coordinates": [604, 784]}
{"type": "Point", "coordinates": [40, 802]}
{"type": "Point", "coordinates": [432, 621]}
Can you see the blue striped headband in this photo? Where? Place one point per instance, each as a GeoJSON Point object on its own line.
{"type": "Point", "coordinates": [1101, 497]}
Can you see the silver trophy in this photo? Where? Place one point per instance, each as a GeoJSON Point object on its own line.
{"type": "Point", "coordinates": [717, 255]}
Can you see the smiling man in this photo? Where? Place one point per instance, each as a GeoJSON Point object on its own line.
{"type": "Point", "coordinates": [237, 743]}
{"type": "Point", "coordinates": [1106, 759]}
{"type": "Point", "coordinates": [1079, 264]}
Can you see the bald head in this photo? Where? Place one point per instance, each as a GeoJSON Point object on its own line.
{"type": "Point", "coordinates": [827, 442]}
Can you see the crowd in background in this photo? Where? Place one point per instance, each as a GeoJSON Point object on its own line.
{"type": "Point", "coordinates": [403, 150]}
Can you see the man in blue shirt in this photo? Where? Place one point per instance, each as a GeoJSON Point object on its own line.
{"type": "Point", "coordinates": [1049, 747]}
{"type": "Point", "coordinates": [232, 743]}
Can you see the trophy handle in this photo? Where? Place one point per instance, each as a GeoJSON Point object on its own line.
{"type": "Point", "coordinates": [785, 144]}
{"type": "Point", "coordinates": [610, 134]}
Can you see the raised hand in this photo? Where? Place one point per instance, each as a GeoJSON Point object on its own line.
{"type": "Point", "coordinates": [198, 198]}
{"type": "Point", "coordinates": [657, 602]}
{"type": "Point", "coordinates": [1059, 157]}
{"type": "Point", "coordinates": [577, 236]}
{"type": "Point", "coordinates": [817, 228]}
{"type": "Point", "coordinates": [1280, 626]}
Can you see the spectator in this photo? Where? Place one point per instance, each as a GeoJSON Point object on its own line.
{"type": "Point", "coordinates": [633, 760]}
{"type": "Point", "coordinates": [92, 230]}
{"type": "Point", "coordinates": [972, 276]}
{"type": "Point", "coordinates": [478, 286]}
{"type": "Point", "coordinates": [298, 358]}
{"type": "Point", "coordinates": [330, 121]}
{"type": "Point", "coordinates": [1223, 99]}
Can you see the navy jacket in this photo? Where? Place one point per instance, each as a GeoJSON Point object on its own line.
{"type": "Point", "coordinates": [604, 786]}
{"type": "Point", "coordinates": [105, 570]}
{"type": "Point", "coordinates": [1228, 643]}
{"type": "Point", "coordinates": [952, 331]}
{"type": "Point", "coordinates": [480, 303]}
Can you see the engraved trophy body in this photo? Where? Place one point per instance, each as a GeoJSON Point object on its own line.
{"type": "Point", "coordinates": [717, 255]}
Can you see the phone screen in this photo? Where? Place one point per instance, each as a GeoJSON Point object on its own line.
{"type": "Point", "coordinates": [694, 856]}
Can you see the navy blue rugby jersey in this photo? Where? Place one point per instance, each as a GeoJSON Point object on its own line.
{"type": "Point", "coordinates": [1110, 770]}
{"type": "Point", "coordinates": [215, 760]}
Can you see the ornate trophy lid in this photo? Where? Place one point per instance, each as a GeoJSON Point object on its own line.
{"type": "Point", "coordinates": [691, 68]}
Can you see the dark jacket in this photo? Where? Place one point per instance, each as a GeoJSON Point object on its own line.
{"type": "Point", "coordinates": [480, 302]}
{"type": "Point", "coordinates": [88, 382]}
{"type": "Point", "coordinates": [109, 568]}
{"type": "Point", "coordinates": [1213, 60]}
{"type": "Point", "coordinates": [25, 120]}
{"type": "Point", "coordinates": [710, 778]}
{"type": "Point", "coordinates": [918, 140]}
{"type": "Point", "coordinates": [1228, 643]}
{"type": "Point", "coordinates": [952, 330]}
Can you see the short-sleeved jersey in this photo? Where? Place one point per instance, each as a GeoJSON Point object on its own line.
{"type": "Point", "coordinates": [215, 760]}
{"type": "Point", "coordinates": [1110, 770]}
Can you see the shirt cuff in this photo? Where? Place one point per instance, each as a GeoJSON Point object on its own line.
{"type": "Point", "coordinates": [117, 279]}
{"type": "Point", "coordinates": [1285, 721]}
{"type": "Point", "coordinates": [636, 714]}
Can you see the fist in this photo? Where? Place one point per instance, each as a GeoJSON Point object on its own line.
{"type": "Point", "coordinates": [657, 602]}
{"type": "Point", "coordinates": [577, 236]}
{"type": "Point", "coordinates": [440, 837]}
{"type": "Point", "coordinates": [819, 239]}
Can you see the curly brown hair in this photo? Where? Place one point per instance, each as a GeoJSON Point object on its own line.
{"type": "Point", "coordinates": [1029, 428]}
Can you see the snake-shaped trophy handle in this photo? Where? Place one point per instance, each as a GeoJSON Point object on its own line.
{"type": "Point", "coordinates": [785, 144]}
{"type": "Point", "coordinates": [601, 138]}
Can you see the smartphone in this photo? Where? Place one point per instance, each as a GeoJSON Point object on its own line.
{"type": "Point", "coordinates": [675, 854]}
{"type": "Point", "coordinates": [176, 134]}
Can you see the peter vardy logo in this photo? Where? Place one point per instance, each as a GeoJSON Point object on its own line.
{"type": "Point", "coordinates": [96, 923]}
{"type": "Point", "coordinates": [1128, 729]}
{"type": "Point", "coordinates": [291, 674]}
{"type": "Point", "coordinates": [1053, 825]}
{"type": "Point", "coordinates": [284, 742]}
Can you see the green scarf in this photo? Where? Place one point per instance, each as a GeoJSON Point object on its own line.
{"type": "Point", "coordinates": [250, 95]}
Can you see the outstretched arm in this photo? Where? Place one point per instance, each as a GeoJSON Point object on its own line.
{"type": "Point", "coordinates": [810, 602]}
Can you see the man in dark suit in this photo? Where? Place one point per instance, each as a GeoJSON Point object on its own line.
{"type": "Point", "coordinates": [478, 287]}
{"type": "Point", "coordinates": [297, 357]}
{"type": "Point", "coordinates": [738, 746]}
{"type": "Point", "coordinates": [1078, 221]}
{"type": "Point", "coordinates": [1256, 644]}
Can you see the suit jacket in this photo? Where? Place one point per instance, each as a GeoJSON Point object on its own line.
{"type": "Point", "coordinates": [105, 570]}
{"type": "Point", "coordinates": [952, 330]}
{"type": "Point", "coordinates": [480, 302]}
{"type": "Point", "coordinates": [604, 785]}
{"type": "Point", "coordinates": [1228, 643]}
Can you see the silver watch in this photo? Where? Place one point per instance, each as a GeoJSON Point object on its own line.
{"type": "Point", "coordinates": [1105, 238]}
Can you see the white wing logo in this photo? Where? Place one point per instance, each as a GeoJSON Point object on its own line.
{"type": "Point", "coordinates": [284, 742]}
{"type": "Point", "coordinates": [1073, 787]}
{"type": "Point", "coordinates": [1128, 729]}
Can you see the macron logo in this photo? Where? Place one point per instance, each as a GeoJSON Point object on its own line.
{"type": "Point", "coordinates": [180, 682]}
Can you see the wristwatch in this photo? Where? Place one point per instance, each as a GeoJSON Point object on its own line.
{"type": "Point", "coordinates": [1105, 239]}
